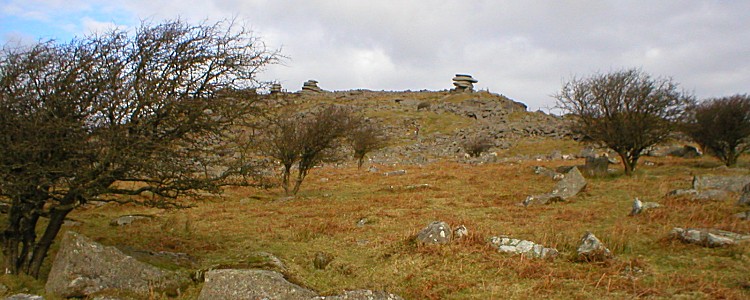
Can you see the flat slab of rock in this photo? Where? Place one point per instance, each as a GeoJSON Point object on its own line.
{"type": "Point", "coordinates": [435, 233]}
{"type": "Point", "coordinates": [707, 237]}
{"type": "Point", "coordinates": [569, 186]}
{"type": "Point", "coordinates": [528, 248]}
{"type": "Point", "coordinates": [129, 219]}
{"type": "Point", "coordinates": [83, 267]}
{"type": "Point", "coordinates": [361, 295]}
{"type": "Point", "coordinates": [732, 184]}
{"type": "Point", "coordinates": [232, 284]}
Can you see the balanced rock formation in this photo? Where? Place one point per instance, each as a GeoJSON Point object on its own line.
{"type": "Point", "coordinates": [311, 86]}
{"type": "Point", "coordinates": [275, 88]}
{"type": "Point", "coordinates": [464, 83]}
{"type": "Point", "coordinates": [83, 267]}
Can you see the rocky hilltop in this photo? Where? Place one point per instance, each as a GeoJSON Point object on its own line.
{"type": "Point", "coordinates": [424, 126]}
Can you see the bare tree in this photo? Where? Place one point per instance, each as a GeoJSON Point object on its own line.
{"type": "Point", "coordinates": [121, 113]}
{"type": "Point", "coordinates": [628, 111]}
{"type": "Point", "coordinates": [364, 138]}
{"type": "Point", "coordinates": [306, 139]}
{"type": "Point", "coordinates": [721, 126]}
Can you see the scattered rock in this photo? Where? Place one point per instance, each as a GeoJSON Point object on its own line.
{"type": "Point", "coordinates": [592, 249]}
{"type": "Point", "coordinates": [523, 247]}
{"type": "Point", "coordinates": [714, 182]}
{"type": "Point", "coordinates": [322, 260]}
{"type": "Point", "coordinates": [361, 295]}
{"type": "Point", "coordinates": [83, 267]}
{"type": "Point", "coordinates": [395, 173]}
{"type": "Point", "coordinates": [437, 232]}
{"type": "Point", "coordinates": [548, 172]}
{"type": "Point", "coordinates": [707, 237]}
{"type": "Point", "coordinates": [129, 219]}
{"type": "Point", "coordinates": [231, 284]}
{"type": "Point", "coordinates": [362, 222]}
{"type": "Point", "coordinates": [711, 195]}
{"type": "Point", "coordinates": [569, 186]}
{"type": "Point", "coordinates": [639, 206]}
{"type": "Point", "coordinates": [685, 151]}
{"type": "Point", "coordinates": [745, 197]}
{"type": "Point", "coordinates": [460, 232]}
{"type": "Point", "coordinates": [683, 192]}
{"type": "Point", "coordinates": [24, 297]}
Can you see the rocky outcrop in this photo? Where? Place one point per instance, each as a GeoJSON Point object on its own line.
{"type": "Point", "coordinates": [523, 247]}
{"type": "Point", "coordinates": [276, 88]}
{"type": "Point", "coordinates": [592, 249]}
{"type": "Point", "coordinates": [437, 232]}
{"type": "Point", "coordinates": [83, 267]}
{"type": "Point", "coordinates": [229, 284]}
{"type": "Point", "coordinates": [569, 186]}
{"type": "Point", "coordinates": [707, 237]}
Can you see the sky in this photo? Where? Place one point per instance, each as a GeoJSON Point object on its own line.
{"type": "Point", "coordinates": [522, 49]}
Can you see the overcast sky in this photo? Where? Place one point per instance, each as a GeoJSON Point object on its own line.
{"type": "Point", "coordinates": [522, 49]}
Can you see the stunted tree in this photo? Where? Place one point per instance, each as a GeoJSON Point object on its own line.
{"type": "Point", "coordinates": [140, 113]}
{"type": "Point", "coordinates": [305, 140]}
{"type": "Point", "coordinates": [364, 138]}
{"type": "Point", "coordinates": [721, 126]}
{"type": "Point", "coordinates": [476, 145]}
{"type": "Point", "coordinates": [627, 111]}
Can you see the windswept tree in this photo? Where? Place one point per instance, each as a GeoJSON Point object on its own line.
{"type": "Point", "coordinates": [142, 113]}
{"type": "Point", "coordinates": [305, 140]}
{"type": "Point", "coordinates": [627, 111]}
{"type": "Point", "coordinates": [721, 126]}
{"type": "Point", "coordinates": [365, 137]}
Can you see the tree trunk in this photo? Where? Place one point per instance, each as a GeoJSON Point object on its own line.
{"type": "Point", "coordinates": [731, 158]}
{"type": "Point", "coordinates": [56, 219]}
{"type": "Point", "coordinates": [285, 178]}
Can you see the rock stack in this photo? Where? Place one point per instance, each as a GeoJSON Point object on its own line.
{"type": "Point", "coordinates": [464, 83]}
{"type": "Point", "coordinates": [275, 88]}
{"type": "Point", "coordinates": [311, 86]}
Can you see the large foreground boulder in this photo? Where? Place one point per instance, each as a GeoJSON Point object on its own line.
{"type": "Point", "coordinates": [229, 284]}
{"type": "Point", "coordinates": [83, 267]}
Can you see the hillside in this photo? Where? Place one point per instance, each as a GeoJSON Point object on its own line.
{"type": "Point", "coordinates": [367, 220]}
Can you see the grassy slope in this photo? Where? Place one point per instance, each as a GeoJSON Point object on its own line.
{"type": "Point", "coordinates": [381, 255]}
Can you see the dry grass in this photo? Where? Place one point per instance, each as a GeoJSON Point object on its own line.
{"type": "Point", "coordinates": [381, 255]}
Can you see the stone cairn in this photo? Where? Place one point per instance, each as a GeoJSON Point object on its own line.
{"type": "Point", "coordinates": [464, 83]}
{"type": "Point", "coordinates": [275, 89]}
{"type": "Point", "coordinates": [311, 86]}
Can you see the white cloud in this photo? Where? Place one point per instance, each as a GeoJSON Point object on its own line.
{"type": "Point", "coordinates": [523, 49]}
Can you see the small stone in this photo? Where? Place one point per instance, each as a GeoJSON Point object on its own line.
{"type": "Point", "coordinates": [435, 233]}
{"type": "Point", "coordinates": [460, 232]}
{"type": "Point", "coordinates": [592, 249]}
{"type": "Point", "coordinates": [395, 173]}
